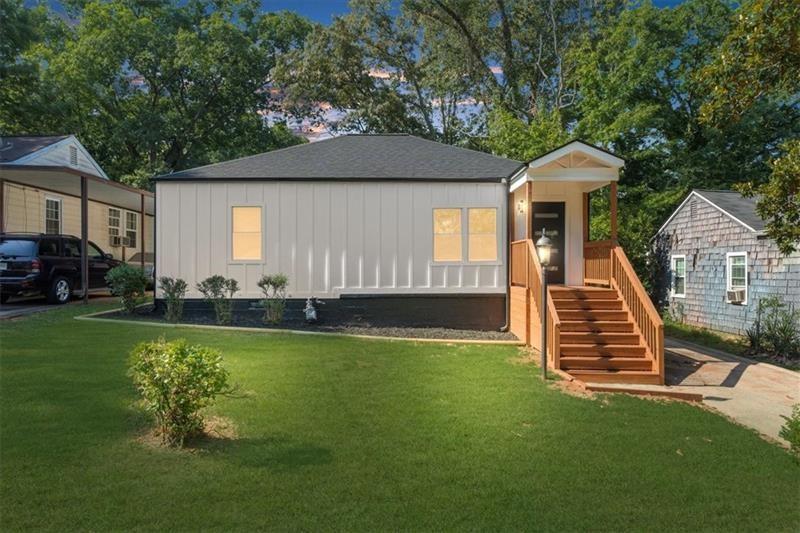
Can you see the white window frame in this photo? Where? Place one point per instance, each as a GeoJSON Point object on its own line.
{"type": "Point", "coordinates": [672, 271]}
{"type": "Point", "coordinates": [261, 260]}
{"type": "Point", "coordinates": [119, 218]}
{"type": "Point", "coordinates": [60, 203]}
{"type": "Point", "coordinates": [135, 231]}
{"type": "Point", "coordinates": [465, 236]}
{"type": "Point", "coordinates": [729, 276]}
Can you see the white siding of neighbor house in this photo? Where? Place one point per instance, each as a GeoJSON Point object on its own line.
{"type": "Point", "coordinates": [330, 238]}
{"type": "Point", "coordinates": [58, 154]}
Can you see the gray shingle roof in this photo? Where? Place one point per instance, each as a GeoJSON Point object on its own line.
{"type": "Point", "coordinates": [13, 148]}
{"type": "Point", "coordinates": [735, 205]}
{"type": "Point", "coordinates": [361, 157]}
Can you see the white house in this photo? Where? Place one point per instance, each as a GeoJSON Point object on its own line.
{"type": "Point", "coordinates": [401, 230]}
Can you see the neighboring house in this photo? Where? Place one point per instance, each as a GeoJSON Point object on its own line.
{"type": "Point", "coordinates": [718, 263]}
{"type": "Point", "coordinates": [394, 229]}
{"type": "Point", "coordinates": [40, 192]}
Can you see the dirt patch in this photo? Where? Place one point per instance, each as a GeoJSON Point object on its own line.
{"type": "Point", "coordinates": [216, 429]}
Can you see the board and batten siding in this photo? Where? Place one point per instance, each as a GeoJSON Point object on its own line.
{"type": "Point", "coordinates": [330, 238]}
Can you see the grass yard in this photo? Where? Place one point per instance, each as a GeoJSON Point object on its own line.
{"type": "Point", "coordinates": [349, 434]}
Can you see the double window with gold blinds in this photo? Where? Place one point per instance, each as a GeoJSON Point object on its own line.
{"type": "Point", "coordinates": [465, 234]}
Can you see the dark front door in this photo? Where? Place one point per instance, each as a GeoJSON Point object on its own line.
{"type": "Point", "coordinates": [550, 217]}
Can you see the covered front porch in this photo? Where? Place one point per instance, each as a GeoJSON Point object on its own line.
{"type": "Point", "coordinates": [600, 322]}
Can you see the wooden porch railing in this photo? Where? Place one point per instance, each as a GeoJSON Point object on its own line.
{"type": "Point", "coordinates": [526, 271]}
{"type": "Point", "coordinates": [644, 313]}
{"type": "Point", "coordinates": [597, 262]}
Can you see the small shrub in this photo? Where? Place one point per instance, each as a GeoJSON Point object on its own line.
{"type": "Point", "coordinates": [176, 381]}
{"type": "Point", "coordinates": [129, 284]}
{"type": "Point", "coordinates": [274, 289]}
{"type": "Point", "coordinates": [219, 292]}
{"type": "Point", "coordinates": [791, 430]}
{"type": "Point", "coordinates": [776, 329]}
{"type": "Point", "coordinates": [174, 292]}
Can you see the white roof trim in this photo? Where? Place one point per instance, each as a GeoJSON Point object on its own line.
{"type": "Point", "coordinates": [712, 204]}
{"type": "Point", "coordinates": [70, 140]}
{"type": "Point", "coordinates": [578, 146]}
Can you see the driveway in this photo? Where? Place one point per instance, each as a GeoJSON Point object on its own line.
{"type": "Point", "coordinates": [18, 307]}
{"type": "Point", "coordinates": [756, 395]}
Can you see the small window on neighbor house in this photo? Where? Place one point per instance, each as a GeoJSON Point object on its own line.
{"type": "Point", "coordinates": [482, 243]}
{"type": "Point", "coordinates": [736, 273]}
{"type": "Point", "coordinates": [678, 276]}
{"type": "Point", "coordinates": [131, 228]}
{"type": "Point", "coordinates": [114, 221]}
{"type": "Point", "coordinates": [52, 216]}
{"type": "Point", "coordinates": [73, 156]}
{"type": "Point", "coordinates": [246, 233]}
{"type": "Point", "coordinates": [447, 235]}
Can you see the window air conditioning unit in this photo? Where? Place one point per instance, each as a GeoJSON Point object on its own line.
{"type": "Point", "coordinates": [735, 296]}
{"type": "Point", "coordinates": [115, 241]}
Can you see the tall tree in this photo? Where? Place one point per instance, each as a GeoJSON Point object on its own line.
{"type": "Point", "coordinates": [435, 67]}
{"type": "Point", "coordinates": [758, 61]}
{"type": "Point", "coordinates": [153, 86]}
{"type": "Point", "coordinates": [641, 95]}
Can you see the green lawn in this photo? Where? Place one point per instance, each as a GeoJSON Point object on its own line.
{"type": "Point", "coordinates": [347, 434]}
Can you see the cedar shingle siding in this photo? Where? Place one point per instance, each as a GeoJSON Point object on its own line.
{"type": "Point", "coordinates": [705, 235]}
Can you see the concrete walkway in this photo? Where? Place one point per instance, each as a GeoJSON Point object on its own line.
{"type": "Point", "coordinates": [756, 395]}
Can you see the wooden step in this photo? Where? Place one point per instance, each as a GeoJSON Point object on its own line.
{"type": "Point", "coordinates": [583, 337]}
{"type": "Point", "coordinates": [600, 315]}
{"type": "Point", "coordinates": [606, 363]}
{"type": "Point", "coordinates": [589, 305]}
{"type": "Point", "coordinates": [582, 293]}
{"type": "Point", "coordinates": [617, 376]}
{"type": "Point", "coordinates": [608, 350]}
{"type": "Point", "coordinates": [596, 326]}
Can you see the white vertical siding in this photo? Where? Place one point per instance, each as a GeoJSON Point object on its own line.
{"type": "Point", "coordinates": [330, 238]}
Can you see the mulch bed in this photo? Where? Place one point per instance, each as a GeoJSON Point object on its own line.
{"type": "Point", "coordinates": [253, 319]}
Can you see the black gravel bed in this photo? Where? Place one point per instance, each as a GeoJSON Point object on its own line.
{"type": "Point", "coordinates": [253, 319]}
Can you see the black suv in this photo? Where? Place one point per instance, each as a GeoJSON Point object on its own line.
{"type": "Point", "coordinates": [34, 263]}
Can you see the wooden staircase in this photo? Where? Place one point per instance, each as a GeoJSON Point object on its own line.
{"type": "Point", "coordinates": [598, 340]}
{"type": "Point", "coordinates": [606, 331]}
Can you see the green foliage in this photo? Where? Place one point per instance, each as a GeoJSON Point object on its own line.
{"type": "Point", "coordinates": [791, 430]}
{"type": "Point", "coordinates": [219, 291]}
{"type": "Point", "coordinates": [176, 381]}
{"type": "Point", "coordinates": [776, 329]}
{"type": "Point", "coordinates": [274, 288]}
{"type": "Point", "coordinates": [129, 284]}
{"type": "Point", "coordinates": [512, 137]}
{"type": "Point", "coordinates": [174, 291]}
{"type": "Point", "coordinates": [760, 56]}
{"type": "Point", "coordinates": [151, 87]}
{"type": "Point", "coordinates": [779, 199]}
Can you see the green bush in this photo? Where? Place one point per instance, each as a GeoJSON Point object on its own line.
{"type": "Point", "coordinates": [219, 292]}
{"type": "Point", "coordinates": [174, 292]}
{"type": "Point", "coordinates": [176, 381]}
{"type": "Point", "coordinates": [129, 284]}
{"type": "Point", "coordinates": [776, 329]}
{"type": "Point", "coordinates": [274, 289]}
{"type": "Point", "coordinates": [791, 430]}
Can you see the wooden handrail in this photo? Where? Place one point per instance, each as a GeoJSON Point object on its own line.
{"type": "Point", "coordinates": [624, 279]}
{"type": "Point", "coordinates": [526, 271]}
